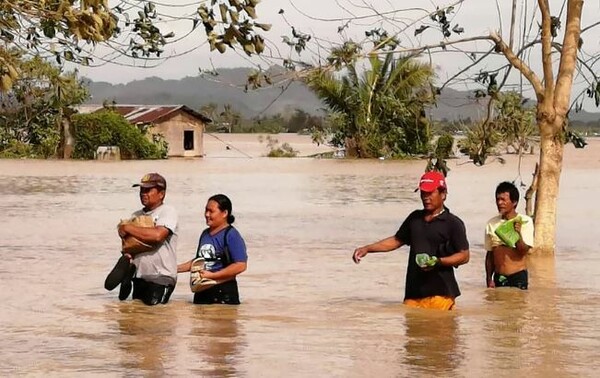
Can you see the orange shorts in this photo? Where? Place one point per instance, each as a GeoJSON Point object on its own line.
{"type": "Point", "coordinates": [436, 302]}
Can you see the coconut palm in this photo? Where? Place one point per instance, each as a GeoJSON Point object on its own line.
{"type": "Point", "coordinates": [381, 112]}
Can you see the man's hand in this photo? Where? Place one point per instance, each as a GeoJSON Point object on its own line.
{"type": "Point", "coordinates": [207, 274]}
{"type": "Point", "coordinates": [491, 284]}
{"type": "Point", "coordinates": [359, 253]}
{"type": "Point", "coordinates": [121, 230]}
{"type": "Point", "coordinates": [517, 227]}
{"type": "Point", "coordinates": [427, 268]}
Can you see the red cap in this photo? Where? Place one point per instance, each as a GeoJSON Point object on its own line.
{"type": "Point", "coordinates": [432, 180]}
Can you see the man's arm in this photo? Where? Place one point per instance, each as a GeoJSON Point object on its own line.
{"type": "Point", "coordinates": [385, 245]}
{"type": "Point", "coordinates": [521, 247]}
{"type": "Point", "coordinates": [489, 269]}
{"type": "Point", "coordinates": [184, 267]}
{"type": "Point", "coordinates": [148, 235]}
{"type": "Point", "coordinates": [226, 274]}
{"type": "Point", "coordinates": [456, 259]}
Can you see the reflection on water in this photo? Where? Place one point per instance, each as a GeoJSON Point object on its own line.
{"type": "Point", "coordinates": [307, 309]}
{"type": "Point", "coordinates": [432, 344]}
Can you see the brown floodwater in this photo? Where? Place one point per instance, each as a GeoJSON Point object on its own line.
{"type": "Point", "coordinates": [307, 309]}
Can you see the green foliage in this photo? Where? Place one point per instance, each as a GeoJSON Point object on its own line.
{"type": "Point", "coordinates": [14, 149]}
{"type": "Point", "coordinates": [107, 128]}
{"type": "Point", "coordinates": [33, 110]}
{"type": "Point", "coordinates": [62, 28]}
{"type": "Point", "coordinates": [378, 113]}
{"type": "Point", "coordinates": [443, 147]}
{"type": "Point", "coordinates": [512, 128]}
{"type": "Point", "coordinates": [479, 143]}
{"type": "Point", "coordinates": [515, 122]}
{"type": "Point", "coordinates": [442, 151]}
{"type": "Point", "coordinates": [275, 150]}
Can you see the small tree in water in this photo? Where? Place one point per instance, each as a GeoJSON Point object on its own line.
{"type": "Point", "coordinates": [381, 112]}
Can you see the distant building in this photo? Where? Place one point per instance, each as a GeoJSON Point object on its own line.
{"type": "Point", "coordinates": [181, 126]}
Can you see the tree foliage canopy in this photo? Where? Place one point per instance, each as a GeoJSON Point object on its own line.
{"type": "Point", "coordinates": [381, 111]}
{"type": "Point", "coordinates": [32, 112]}
{"type": "Point", "coordinates": [107, 128]}
{"type": "Point", "coordinates": [67, 30]}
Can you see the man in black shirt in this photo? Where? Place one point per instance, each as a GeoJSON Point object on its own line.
{"type": "Point", "coordinates": [436, 232]}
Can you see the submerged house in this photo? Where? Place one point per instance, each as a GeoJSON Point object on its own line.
{"type": "Point", "coordinates": [182, 127]}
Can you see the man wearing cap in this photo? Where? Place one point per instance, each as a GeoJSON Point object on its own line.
{"type": "Point", "coordinates": [154, 269]}
{"type": "Point", "coordinates": [435, 231]}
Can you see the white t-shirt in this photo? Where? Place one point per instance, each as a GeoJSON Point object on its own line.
{"type": "Point", "coordinates": [160, 265]}
{"type": "Point", "coordinates": [492, 240]}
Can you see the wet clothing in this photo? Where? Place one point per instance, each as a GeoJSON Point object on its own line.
{"type": "Point", "coordinates": [160, 265]}
{"type": "Point", "coordinates": [436, 302]}
{"type": "Point", "coordinates": [212, 248]}
{"type": "Point", "coordinates": [218, 251]}
{"type": "Point", "coordinates": [519, 279]}
{"type": "Point", "coordinates": [224, 293]}
{"type": "Point", "coordinates": [492, 240]}
{"type": "Point", "coordinates": [151, 293]}
{"type": "Point", "coordinates": [443, 236]}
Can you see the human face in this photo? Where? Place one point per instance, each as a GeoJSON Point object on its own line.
{"type": "Point", "coordinates": [433, 201]}
{"type": "Point", "coordinates": [151, 198]}
{"type": "Point", "coordinates": [505, 206]}
{"type": "Point", "coordinates": [214, 216]}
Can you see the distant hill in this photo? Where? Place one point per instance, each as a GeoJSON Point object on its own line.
{"type": "Point", "coordinates": [227, 88]}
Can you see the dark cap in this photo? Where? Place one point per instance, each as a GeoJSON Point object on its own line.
{"type": "Point", "coordinates": [152, 180]}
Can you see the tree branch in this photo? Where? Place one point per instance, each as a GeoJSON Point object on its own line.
{"type": "Point", "coordinates": [420, 49]}
{"type": "Point", "coordinates": [512, 24]}
{"type": "Point", "coordinates": [547, 49]}
{"type": "Point", "coordinates": [519, 64]}
{"type": "Point", "coordinates": [568, 57]}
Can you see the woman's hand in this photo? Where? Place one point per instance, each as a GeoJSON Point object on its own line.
{"type": "Point", "coordinates": [207, 274]}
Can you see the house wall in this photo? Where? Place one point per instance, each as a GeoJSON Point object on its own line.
{"type": "Point", "coordinates": [173, 128]}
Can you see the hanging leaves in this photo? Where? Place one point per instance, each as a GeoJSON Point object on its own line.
{"type": "Point", "coordinates": [238, 26]}
{"type": "Point", "coordinates": [421, 29]}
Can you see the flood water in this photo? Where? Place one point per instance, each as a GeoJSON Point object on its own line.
{"type": "Point", "coordinates": [307, 309]}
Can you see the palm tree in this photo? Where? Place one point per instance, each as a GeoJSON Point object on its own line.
{"type": "Point", "coordinates": [381, 112]}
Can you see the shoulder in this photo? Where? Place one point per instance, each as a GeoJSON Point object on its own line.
{"type": "Point", "coordinates": [527, 219]}
{"type": "Point", "coordinates": [416, 214]}
{"type": "Point", "coordinates": [495, 219]}
{"type": "Point", "coordinates": [137, 213]}
{"type": "Point", "coordinates": [453, 217]}
{"type": "Point", "coordinates": [168, 209]}
{"type": "Point", "coordinates": [233, 232]}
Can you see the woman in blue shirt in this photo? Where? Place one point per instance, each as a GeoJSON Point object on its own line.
{"type": "Point", "coordinates": [220, 256]}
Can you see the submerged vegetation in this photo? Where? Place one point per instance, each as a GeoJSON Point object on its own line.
{"type": "Point", "coordinates": [107, 128]}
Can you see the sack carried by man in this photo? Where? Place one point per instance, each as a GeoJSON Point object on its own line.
{"type": "Point", "coordinates": [132, 245]}
{"type": "Point", "coordinates": [506, 231]}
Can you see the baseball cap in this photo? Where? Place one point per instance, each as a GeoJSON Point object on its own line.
{"type": "Point", "coordinates": [152, 180]}
{"type": "Point", "coordinates": [432, 180]}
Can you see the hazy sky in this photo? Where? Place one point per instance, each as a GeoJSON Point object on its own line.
{"type": "Point", "coordinates": [478, 17]}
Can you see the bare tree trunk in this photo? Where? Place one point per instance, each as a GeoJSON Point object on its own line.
{"type": "Point", "coordinates": [67, 140]}
{"type": "Point", "coordinates": [553, 106]}
{"type": "Point", "coordinates": [546, 199]}
{"type": "Point", "coordinates": [531, 191]}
